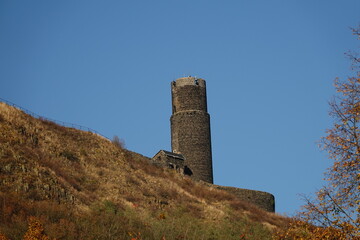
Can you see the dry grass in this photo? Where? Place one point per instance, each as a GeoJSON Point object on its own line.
{"type": "Point", "coordinates": [53, 125]}
{"type": "Point", "coordinates": [130, 179]}
{"type": "Point", "coordinates": [62, 171]}
{"type": "Point", "coordinates": [47, 161]}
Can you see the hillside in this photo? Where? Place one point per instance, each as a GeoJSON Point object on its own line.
{"type": "Point", "coordinates": [83, 186]}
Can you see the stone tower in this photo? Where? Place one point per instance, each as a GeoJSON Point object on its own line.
{"type": "Point", "coordinates": [190, 127]}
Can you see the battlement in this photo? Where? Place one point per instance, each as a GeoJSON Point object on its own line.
{"type": "Point", "coordinates": [192, 81]}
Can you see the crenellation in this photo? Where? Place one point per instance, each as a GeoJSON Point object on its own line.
{"type": "Point", "coordinates": [191, 81]}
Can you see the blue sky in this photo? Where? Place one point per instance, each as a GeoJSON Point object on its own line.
{"type": "Point", "coordinates": [269, 67]}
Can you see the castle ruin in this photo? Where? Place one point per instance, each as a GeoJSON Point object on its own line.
{"type": "Point", "coordinates": [191, 140]}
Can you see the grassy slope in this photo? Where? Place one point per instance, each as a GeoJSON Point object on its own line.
{"type": "Point", "coordinates": [83, 186]}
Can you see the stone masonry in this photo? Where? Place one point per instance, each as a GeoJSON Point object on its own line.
{"type": "Point", "coordinates": [191, 141]}
{"type": "Point", "coordinates": [190, 126]}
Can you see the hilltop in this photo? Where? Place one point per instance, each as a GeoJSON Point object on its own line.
{"type": "Point", "coordinates": [83, 186]}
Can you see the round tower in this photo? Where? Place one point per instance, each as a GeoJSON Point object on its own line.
{"type": "Point", "coordinates": [190, 127]}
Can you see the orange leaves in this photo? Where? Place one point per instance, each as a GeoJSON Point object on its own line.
{"type": "Point", "coordinates": [336, 207]}
{"type": "Point", "coordinates": [3, 237]}
{"type": "Point", "coordinates": [35, 230]}
{"type": "Point", "coordinates": [135, 236]}
{"type": "Point", "coordinates": [161, 216]}
{"type": "Point", "coordinates": [305, 231]}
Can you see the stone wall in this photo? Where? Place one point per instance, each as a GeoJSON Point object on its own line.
{"type": "Point", "coordinates": [169, 160]}
{"type": "Point", "coordinates": [191, 96]}
{"type": "Point", "coordinates": [261, 199]}
{"type": "Point", "coordinates": [190, 127]}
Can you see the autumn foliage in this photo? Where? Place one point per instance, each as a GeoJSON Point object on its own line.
{"type": "Point", "coordinates": [35, 230]}
{"type": "Point", "coordinates": [3, 237]}
{"type": "Point", "coordinates": [335, 211]}
{"type": "Point", "coordinates": [302, 230]}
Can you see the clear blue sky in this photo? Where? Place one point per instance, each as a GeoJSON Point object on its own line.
{"type": "Point", "coordinates": [269, 67]}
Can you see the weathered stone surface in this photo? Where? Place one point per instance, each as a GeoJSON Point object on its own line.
{"type": "Point", "coordinates": [169, 160]}
{"type": "Point", "coordinates": [261, 199]}
{"type": "Point", "coordinates": [190, 136]}
{"type": "Point", "coordinates": [190, 127]}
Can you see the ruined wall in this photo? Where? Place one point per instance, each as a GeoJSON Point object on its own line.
{"type": "Point", "coordinates": [261, 199]}
{"type": "Point", "coordinates": [190, 126]}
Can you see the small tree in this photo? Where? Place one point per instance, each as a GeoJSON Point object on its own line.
{"type": "Point", "coordinates": [335, 211]}
{"type": "Point", "coordinates": [118, 142]}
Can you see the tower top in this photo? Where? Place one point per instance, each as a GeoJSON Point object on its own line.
{"type": "Point", "coordinates": [193, 81]}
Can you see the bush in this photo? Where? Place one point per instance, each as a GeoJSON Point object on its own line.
{"type": "Point", "coordinates": [118, 143]}
{"type": "Point", "coordinates": [69, 155]}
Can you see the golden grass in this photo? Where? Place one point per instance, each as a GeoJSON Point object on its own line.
{"type": "Point", "coordinates": [48, 162]}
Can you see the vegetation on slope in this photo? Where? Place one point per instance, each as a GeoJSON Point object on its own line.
{"type": "Point", "coordinates": [79, 185]}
